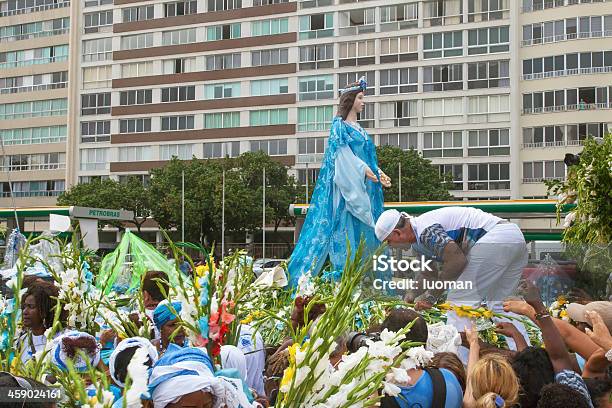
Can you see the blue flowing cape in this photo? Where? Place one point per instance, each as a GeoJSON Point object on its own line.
{"type": "Point", "coordinates": [327, 227]}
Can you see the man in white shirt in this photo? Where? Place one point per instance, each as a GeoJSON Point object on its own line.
{"type": "Point", "coordinates": [484, 253]}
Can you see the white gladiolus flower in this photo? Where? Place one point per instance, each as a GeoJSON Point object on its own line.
{"type": "Point", "coordinates": [421, 356]}
{"type": "Point", "coordinates": [139, 376]}
{"type": "Point", "coordinates": [391, 389]}
{"type": "Point", "coordinates": [398, 376]}
{"type": "Point", "coordinates": [569, 218]}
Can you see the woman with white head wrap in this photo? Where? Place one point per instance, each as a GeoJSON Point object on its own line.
{"type": "Point", "coordinates": [185, 371]}
{"type": "Point", "coordinates": [232, 357]}
{"type": "Point", "coordinates": [121, 356]}
{"type": "Point", "coordinates": [66, 347]}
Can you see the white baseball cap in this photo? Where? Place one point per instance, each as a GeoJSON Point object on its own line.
{"type": "Point", "coordinates": [386, 223]}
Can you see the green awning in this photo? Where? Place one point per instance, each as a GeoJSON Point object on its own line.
{"type": "Point", "coordinates": [31, 212]}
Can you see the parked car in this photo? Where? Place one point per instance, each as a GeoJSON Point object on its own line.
{"type": "Point", "coordinates": [267, 264]}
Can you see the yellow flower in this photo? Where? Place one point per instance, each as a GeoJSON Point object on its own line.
{"type": "Point", "coordinates": [562, 300]}
{"type": "Point", "coordinates": [247, 319]}
{"type": "Point", "coordinates": [444, 306]}
{"type": "Point", "coordinates": [292, 350]}
{"type": "Point", "coordinates": [93, 400]}
{"type": "Point", "coordinates": [563, 313]}
{"type": "Point", "coordinates": [288, 375]}
{"type": "Point", "coordinates": [487, 314]}
{"type": "Point", "coordinates": [201, 271]}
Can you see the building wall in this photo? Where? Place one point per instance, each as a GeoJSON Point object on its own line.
{"type": "Point", "coordinates": [34, 61]}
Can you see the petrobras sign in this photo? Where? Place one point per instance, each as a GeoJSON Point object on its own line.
{"type": "Point", "coordinates": [101, 213]}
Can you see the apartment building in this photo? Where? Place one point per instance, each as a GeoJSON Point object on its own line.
{"type": "Point", "coordinates": [494, 92]}
{"type": "Point", "coordinates": [34, 53]}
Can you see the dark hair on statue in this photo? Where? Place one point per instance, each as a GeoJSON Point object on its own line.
{"type": "Point", "coordinates": [347, 100]}
{"type": "Point", "coordinates": [45, 294]}
{"type": "Point", "coordinates": [123, 359]}
{"type": "Point", "coordinates": [71, 345]}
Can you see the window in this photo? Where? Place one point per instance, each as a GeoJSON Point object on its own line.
{"type": "Point", "coordinates": [442, 12]}
{"type": "Point", "coordinates": [178, 94]}
{"type": "Point", "coordinates": [138, 125]}
{"type": "Point", "coordinates": [37, 135]}
{"type": "Point", "coordinates": [220, 91]}
{"type": "Point", "coordinates": [489, 176]}
{"type": "Point", "coordinates": [443, 45]}
{"type": "Point", "coordinates": [488, 40]}
{"type": "Point", "coordinates": [179, 65]}
{"type": "Point", "coordinates": [223, 61]}
{"type": "Point", "coordinates": [396, 81]}
{"type": "Point", "coordinates": [34, 109]}
{"type": "Point", "coordinates": [350, 77]}
{"type": "Point", "coordinates": [275, 147]}
{"type": "Point", "coordinates": [177, 37]}
{"type": "Point", "coordinates": [220, 5]}
{"type": "Point", "coordinates": [268, 2]}
{"type": "Point", "coordinates": [536, 172]}
{"type": "Point", "coordinates": [491, 74]}
{"type": "Point", "coordinates": [223, 32]}
{"type": "Point", "coordinates": [489, 142]}
{"type": "Point", "coordinates": [442, 111]}
{"type": "Point", "coordinates": [316, 88]}
{"type": "Point", "coordinates": [221, 149]}
{"type": "Point", "coordinates": [100, 49]}
{"type": "Point", "coordinates": [366, 117]}
{"type": "Point", "coordinates": [317, 56]}
{"type": "Point", "coordinates": [144, 179]}
{"type": "Point", "coordinates": [177, 122]}
{"type": "Point", "coordinates": [486, 10]}
{"type": "Point", "coordinates": [264, 87]}
{"type": "Point", "coordinates": [443, 78]}
{"type": "Point", "coordinates": [312, 145]}
{"type": "Point", "coordinates": [399, 17]}
{"type": "Point", "coordinates": [181, 151]}
{"type": "Point", "coordinates": [180, 8]}
{"type": "Point", "coordinates": [568, 64]}
{"type": "Point", "coordinates": [221, 120]}
{"type": "Point", "coordinates": [94, 159]}
{"type": "Point", "coordinates": [491, 108]}
{"type": "Point", "coordinates": [353, 22]}
{"type": "Point", "coordinates": [138, 41]}
{"type": "Point", "coordinates": [139, 13]}
{"type": "Point", "coordinates": [93, 21]}
{"type": "Point", "coordinates": [398, 49]}
{"type": "Point", "coordinates": [404, 141]}
{"type": "Point", "coordinates": [542, 136]}
{"type": "Point", "coordinates": [95, 104]}
{"type": "Point", "coordinates": [269, 27]}
{"type": "Point", "coordinates": [442, 144]}
{"type": "Point", "coordinates": [137, 69]}
{"type": "Point", "coordinates": [27, 162]}
{"type": "Point", "coordinates": [134, 153]}
{"type": "Point", "coordinates": [315, 118]}
{"type": "Point", "coordinates": [46, 188]}
{"type": "Point", "coordinates": [136, 97]}
{"type": "Point", "coordinates": [269, 57]}
{"type": "Point", "coordinates": [97, 77]}
{"type": "Point", "coordinates": [34, 30]}
{"type": "Point", "coordinates": [316, 26]}
{"type": "Point", "coordinates": [269, 117]}
{"type": "Point", "coordinates": [398, 114]}
{"type": "Point", "coordinates": [95, 132]}
{"type": "Point", "coordinates": [356, 53]}
{"type": "Point", "coordinates": [311, 174]}
{"type": "Point", "coordinates": [456, 172]}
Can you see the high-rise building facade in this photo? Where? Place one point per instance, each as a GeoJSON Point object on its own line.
{"type": "Point", "coordinates": [34, 61]}
{"type": "Point", "coordinates": [494, 92]}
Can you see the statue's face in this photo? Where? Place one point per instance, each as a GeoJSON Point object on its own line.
{"type": "Point", "coordinates": [359, 103]}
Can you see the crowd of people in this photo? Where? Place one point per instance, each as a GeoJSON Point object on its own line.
{"type": "Point", "coordinates": [572, 369]}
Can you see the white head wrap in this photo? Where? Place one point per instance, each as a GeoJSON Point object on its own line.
{"type": "Point", "coordinates": [125, 344]}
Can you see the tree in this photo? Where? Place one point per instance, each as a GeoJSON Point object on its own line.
{"type": "Point", "coordinates": [131, 196]}
{"type": "Point", "coordinates": [421, 181]}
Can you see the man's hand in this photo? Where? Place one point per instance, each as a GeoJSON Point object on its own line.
{"type": "Point", "coordinates": [600, 333]}
{"type": "Point", "coordinates": [421, 305]}
{"type": "Point", "coordinates": [519, 307]}
{"type": "Point", "coordinates": [507, 329]}
{"type": "Point", "coordinates": [532, 296]}
{"type": "Point", "coordinates": [472, 336]}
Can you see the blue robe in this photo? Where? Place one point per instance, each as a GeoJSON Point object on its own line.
{"type": "Point", "coordinates": [344, 203]}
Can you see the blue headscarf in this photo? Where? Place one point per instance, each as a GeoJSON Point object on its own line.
{"type": "Point", "coordinates": [163, 313]}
